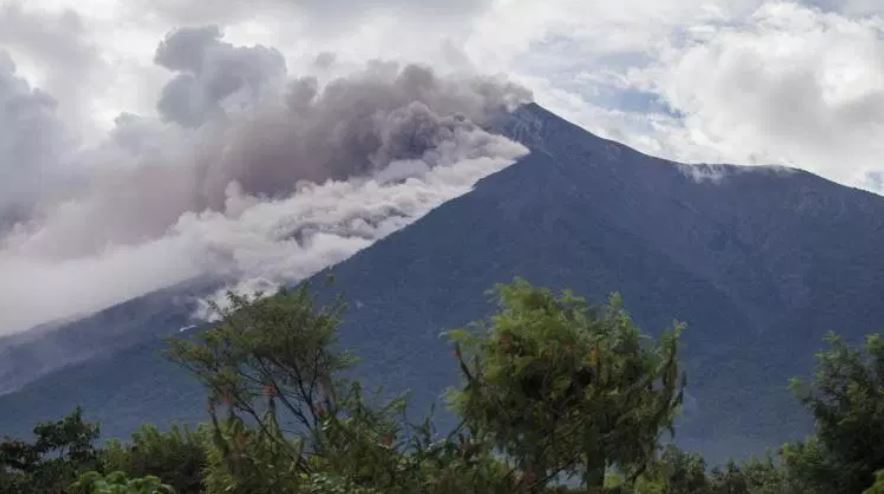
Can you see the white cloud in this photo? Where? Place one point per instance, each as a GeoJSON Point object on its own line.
{"type": "Point", "coordinates": [745, 82]}
{"type": "Point", "coordinates": [850, 7]}
{"type": "Point", "coordinates": [791, 86]}
{"type": "Point", "coordinates": [57, 49]}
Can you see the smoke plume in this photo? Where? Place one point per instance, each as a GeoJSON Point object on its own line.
{"type": "Point", "coordinates": [246, 173]}
{"type": "Point", "coordinates": [31, 143]}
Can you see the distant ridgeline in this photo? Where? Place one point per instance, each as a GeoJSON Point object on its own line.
{"type": "Point", "coordinates": [758, 262]}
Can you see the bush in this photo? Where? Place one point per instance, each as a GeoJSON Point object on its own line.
{"type": "Point", "coordinates": [177, 456]}
{"type": "Point", "coordinates": [118, 483]}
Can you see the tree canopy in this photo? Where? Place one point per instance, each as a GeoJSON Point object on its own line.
{"type": "Point", "coordinates": [565, 388]}
{"type": "Point", "coordinates": [556, 396]}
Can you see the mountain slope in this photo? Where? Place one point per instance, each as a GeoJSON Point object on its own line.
{"type": "Point", "coordinates": [760, 263]}
{"type": "Point", "coordinates": [28, 355]}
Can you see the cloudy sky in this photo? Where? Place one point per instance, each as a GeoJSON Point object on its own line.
{"type": "Point", "coordinates": [111, 109]}
{"type": "Point", "coordinates": [743, 81]}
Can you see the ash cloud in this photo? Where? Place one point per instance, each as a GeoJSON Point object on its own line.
{"type": "Point", "coordinates": [31, 143]}
{"type": "Point", "coordinates": [248, 174]}
{"type": "Point", "coordinates": [324, 60]}
{"type": "Point", "coordinates": [60, 44]}
{"type": "Point", "coordinates": [211, 73]}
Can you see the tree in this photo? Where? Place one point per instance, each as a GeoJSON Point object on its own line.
{"type": "Point", "coordinates": [846, 398]}
{"type": "Point", "coordinates": [283, 420]}
{"type": "Point", "coordinates": [118, 483]}
{"type": "Point", "coordinates": [552, 389]}
{"type": "Point", "coordinates": [674, 472]}
{"type": "Point", "coordinates": [272, 361]}
{"type": "Point", "coordinates": [270, 352]}
{"type": "Point", "coordinates": [177, 456]}
{"type": "Point", "coordinates": [878, 486]}
{"type": "Point", "coordinates": [62, 450]}
{"type": "Point", "coordinates": [563, 388]}
{"type": "Point", "coordinates": [753, 476]}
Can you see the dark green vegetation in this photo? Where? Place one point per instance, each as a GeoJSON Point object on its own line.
{"type": "Point", "coordinates": [556, 396]}
{"type": "Point", "coordinates": [760, 264]}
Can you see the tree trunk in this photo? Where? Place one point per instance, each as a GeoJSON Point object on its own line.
{"type": "Point", "coordinates": [594, 478]}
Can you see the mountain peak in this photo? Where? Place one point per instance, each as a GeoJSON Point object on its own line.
{"type": "Point", "coordinates": [533, 125]}
{"type": "Point", "coordinates": [543, 131]}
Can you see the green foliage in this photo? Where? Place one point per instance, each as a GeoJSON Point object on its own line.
{"type": "Point", "coordinates": [118, 483]}
{"type": "Point", "coordinates": [177, 456]}
{"type": "Point", "coordinates": [248, 460]}
{"type": "Point", "coordinates": [555, 394]}
{"type": "Point", "coordinates": [846, 398]}
{"type": "Point", "coordinates": [809, 467]}
{"type": "Point", "coordinates": [674, 472]}
{"type": "Point", "coordinates": [756, 476]}
{"type": "Point", "coordinates": [62, 450]}
{"type": "Point", "coordinates": [328, 483]}
{"type": "Point", "coordinates": [563, 388]}
{"type": "Point", "coordinates": [272, 359]}
{"type": "Point", "coordinates": [269, 359]}
{"type": "Point", "coordinates": [370, 447]}
{"type": "Point", "coordinates": [273, 351]}
{"type": "Point", "coordinates": [361, 443]}
{"type": "Point", "coordinates": [878, 486]}
{"type": "Point", "coordinates": [461, 463]}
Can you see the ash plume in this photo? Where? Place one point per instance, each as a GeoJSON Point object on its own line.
{"type": "Point", "coordinates": [247, 174]}
{"type": "Point", "coordinates": [31, 143]}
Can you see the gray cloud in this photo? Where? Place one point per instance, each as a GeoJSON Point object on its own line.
{"type": "Point", "coordinates": [848, 7]}
{"type": "Point", "coordinates": [354, 126]}
{"type": "Point", "coordinates": [60, 45]}
{"type": "Point", "coordinates": [324, 60]}
{"type": "Point", "coordinates": [324, 13]}
{"type": "Point", "coordinates": [212, 72]}
{"type": "Point", "coordinates": [31, 142]}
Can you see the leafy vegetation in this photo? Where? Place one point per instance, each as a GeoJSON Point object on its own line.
{"type": "Point", "coordinates": [118, 483]}
{"type": "Point", "coordinates": [565, 389]}
{"type": "Point", "coordinates": [48, 465]}
{"type": "Point", "coordinates": [177, 456]}
{"type": "Point", "coordinates": [556, 397]}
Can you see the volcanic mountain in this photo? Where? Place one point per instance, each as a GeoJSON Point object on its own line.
{"type": "Point", "coordinates": [759, 262]}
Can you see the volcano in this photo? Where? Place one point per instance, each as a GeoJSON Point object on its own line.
{"type": "Point", "coordinates": [759, 262]}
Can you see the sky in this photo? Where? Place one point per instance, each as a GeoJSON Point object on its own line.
{"type": "Point", "coordinates": [145, 142]}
